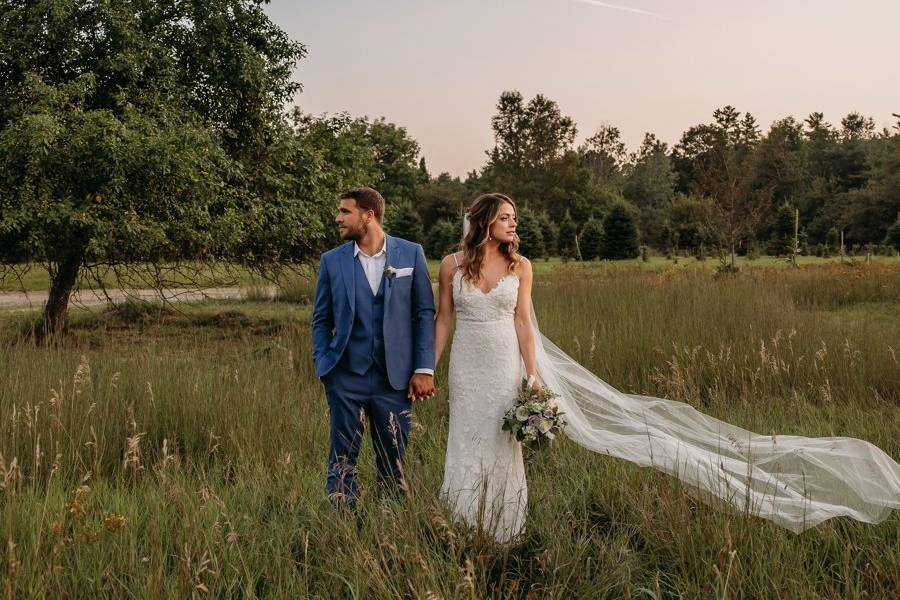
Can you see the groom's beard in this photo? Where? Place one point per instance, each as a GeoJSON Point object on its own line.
{"type": "Point", "coordinates": [357, 233]}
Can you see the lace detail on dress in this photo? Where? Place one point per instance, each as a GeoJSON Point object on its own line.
{"type": "Point", "coordinates": [484, 474]}
{"type": "Point", "coordinates": [474, 305]}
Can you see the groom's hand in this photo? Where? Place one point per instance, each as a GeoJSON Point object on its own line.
{"type": "Point", "coordinates": [421, 386]}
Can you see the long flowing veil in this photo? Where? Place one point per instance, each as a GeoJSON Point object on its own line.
{"type": "Point", "coordinates": [795, 481]}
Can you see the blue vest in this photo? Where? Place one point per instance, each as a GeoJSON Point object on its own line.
{"type": "Point", "coordinates": [366, 343]}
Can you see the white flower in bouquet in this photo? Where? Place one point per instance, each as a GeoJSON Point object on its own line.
{"type": "Point", "coordinates": [535, 416]}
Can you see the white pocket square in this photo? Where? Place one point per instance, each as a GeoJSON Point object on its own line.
{"type": "Point", "coordinates": [404, 272]}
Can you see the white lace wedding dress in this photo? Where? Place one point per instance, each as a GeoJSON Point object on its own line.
{"type": "Point", "coordinates": [484, 474]}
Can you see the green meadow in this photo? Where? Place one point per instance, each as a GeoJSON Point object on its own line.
{"type": "Point", "coordinates": [179, 451]}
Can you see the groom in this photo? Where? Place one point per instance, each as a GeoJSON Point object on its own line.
{"type": "Point", "coordinates": [373, 342]}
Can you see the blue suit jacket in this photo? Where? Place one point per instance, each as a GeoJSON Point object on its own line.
{"type": "Point", "coordinates": [408, 311]}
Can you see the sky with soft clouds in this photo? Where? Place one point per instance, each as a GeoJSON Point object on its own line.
{"type": "Point", "coordinates": [437, 68]}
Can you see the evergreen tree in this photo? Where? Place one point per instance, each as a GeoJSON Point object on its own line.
{"type": "Point", "coordinates": [892, 238]}
{"type": "Point", "coordinates": [620, 234]}
{"type": "Point", "coordinates": [782, 240]}
{"type": "Point", "coordinates": [567, 243]}
{"type": "Point", "coordinates": [531, 238]}
{"type": "Point", "coordinates": [551, 234]}
{"type": "Point", "coordinates": [443, 238]}
{"type": "Point", "coordinates": [591, 239]}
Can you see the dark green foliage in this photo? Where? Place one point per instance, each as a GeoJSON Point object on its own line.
{"type": "Point", "coordinates": [150, 131]}
{"type": "Point", "coordinates": [404, 222]}
{"type": "Point", "coordinates": [443, 197]}
{"type": "Point", "coordinates": [651, 181]}
{"type": "Point", "coordinates": [892, 239]}
{"type": "Point", "coordinates": [590, 240]}
{"type": "Point", "coordinates": [551, 234]}
{"type": "Point", "coordinates": [531, 238]}
{"type": "Point", "coordinates": [620, 234]}
{"type": "Point", "coordinates": [781, 241]}
{"type": "Point", "coordinates": [567, 242]}
{"type": "Point", "coordinates": [443, 238]}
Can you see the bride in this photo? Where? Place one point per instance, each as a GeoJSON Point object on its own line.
{"type": "Point", "coordinates": [794, 481]}
{"type": "Point", "coordinates": [489, 286]}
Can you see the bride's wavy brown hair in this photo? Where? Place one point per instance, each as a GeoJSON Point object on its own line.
{"type": "Point", "coordinates": [482, 214]}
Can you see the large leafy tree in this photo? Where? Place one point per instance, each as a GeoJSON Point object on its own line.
{"type": "Point", "coordinates": [150, 131]}
{"type": "Point", "coordinates": [715, 161]}
{"type": "Point", "coordinates": [605, 156]}
{"type": "Point", "coordinates": [396, 157]}
{"type": "Point", "coordinates": [532, 158]}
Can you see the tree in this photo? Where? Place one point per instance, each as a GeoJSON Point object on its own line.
{"type": "Point", "coordinates": [443, 238]}
{"type": "Point", "coordinates": [531, 143]}
{"type": "Point", "coordinates": [780, 171]}
{"type": "Point", "coordinates": [686, 221]}
{"type": "Point", "coordinates": [567, 240]}
{"type": "Point", "coordinates": [395, 155]}
{"type": "Point", "coordinates": [590, 240]}
{"type": "Point", "coordinates": [550, 231]}
{"type": "Point", "coordinates": [715, 161]}
{"type": "Point", "coordinates": [442, 198]}
{"type": "Point", "coordinates": [892, 238]}
{"type": "Point", "coordinates": [781, 242]}
{"type": "Point", "coordinates": [150, 131]}
{"type": "Point", "coordinates": [868, 212]}
{"type": "Point", "coordinates": [604, 154]}
{"type": "Point", "coordinates": [402, 221]}
{"type": "Point", "coordinates": [620, 234]}
{"type": "Point", "coordinates": [651, 180]}
{"type": "Point", "coordinates": [531, 238]}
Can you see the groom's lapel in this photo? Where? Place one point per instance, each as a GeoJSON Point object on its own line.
{"type": "Point", "coordinates": [390, 252]}
{"type": "Point", "coordinates": [347, 274]}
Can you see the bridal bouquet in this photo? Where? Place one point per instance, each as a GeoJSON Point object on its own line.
{"type": "Point", "coordinates": [535, 417]}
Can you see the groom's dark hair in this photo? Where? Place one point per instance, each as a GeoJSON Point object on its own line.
{"type": "Point", "coordinates": [367, 199]}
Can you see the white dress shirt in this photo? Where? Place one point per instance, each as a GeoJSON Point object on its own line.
{"type": "Point", "coordinates": [373, 266]}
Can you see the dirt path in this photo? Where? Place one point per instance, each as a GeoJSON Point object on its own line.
{"type": "Point", "coordinates": [36, 300]}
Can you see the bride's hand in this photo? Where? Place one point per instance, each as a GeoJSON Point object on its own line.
{"type": "Point", "coordinates": [534, 382]}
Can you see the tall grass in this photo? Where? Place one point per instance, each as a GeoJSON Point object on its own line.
{"type": "Point", "coordinates": [181, 453]}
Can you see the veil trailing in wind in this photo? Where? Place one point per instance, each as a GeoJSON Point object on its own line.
{"type": "Point", "coordinates": [797, 482]}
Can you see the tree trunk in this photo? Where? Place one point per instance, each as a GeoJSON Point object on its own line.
{"type": "Point", "coordinates": [57, 308]}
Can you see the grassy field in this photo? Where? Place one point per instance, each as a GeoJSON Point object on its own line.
{"type": "Point", "coordinates": [179, 451]}
{"type": "Point", "coordinates": [35, 277]}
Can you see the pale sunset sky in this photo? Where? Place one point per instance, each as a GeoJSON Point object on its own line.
{"type": "Point", "coordinates": [437, 68]}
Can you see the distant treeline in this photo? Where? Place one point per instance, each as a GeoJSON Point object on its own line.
{"type": "Point", "coordinates": [725, 186]}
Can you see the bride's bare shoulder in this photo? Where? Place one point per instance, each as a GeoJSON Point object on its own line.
{"type": "Point", "coordinates": [450, 263]}
{"type": "Point", "coordinates": [523, 263]}
{"type": "Point", "coordinates": [523, 267]}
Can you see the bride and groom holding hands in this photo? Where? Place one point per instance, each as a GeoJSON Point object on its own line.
{"type": "Point", "coordinates": [376, 339]}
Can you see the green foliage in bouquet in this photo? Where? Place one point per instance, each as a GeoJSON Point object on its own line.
{"type": "Point", "coordinates": [535, 417]}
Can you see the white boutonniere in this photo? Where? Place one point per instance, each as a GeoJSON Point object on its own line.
{"type": "Point", "coordinates": [390, 272]}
